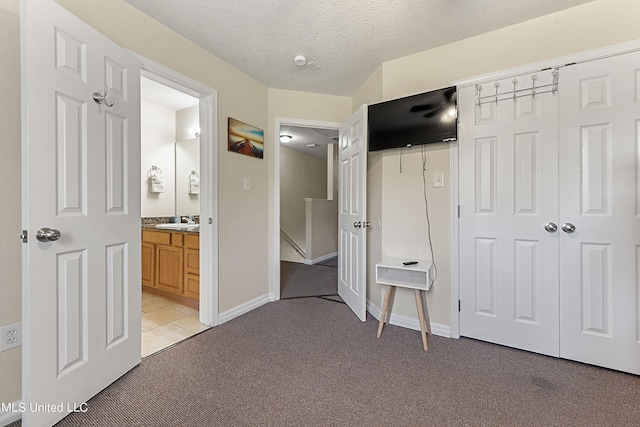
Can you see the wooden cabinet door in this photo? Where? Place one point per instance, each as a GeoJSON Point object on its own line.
{"type": "Point", "coordinates": [148, 263]}
{"type": "Point", "coordinates": [192, 286]}
{"type": "Point", "coordinates": [169, 269]}
{"type": "Point", "coordinates": [192, 261]}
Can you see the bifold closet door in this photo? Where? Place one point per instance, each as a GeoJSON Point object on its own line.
{"type": "Point", "coordinates": [508, 162]}
{"type": "Point", "coordinates": [600, 198]}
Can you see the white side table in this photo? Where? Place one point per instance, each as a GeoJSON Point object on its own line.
{"type": "Point", "coordinates": [393, 273]}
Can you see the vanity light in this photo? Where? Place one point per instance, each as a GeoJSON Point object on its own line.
{"type": "Point", "coordinates": [285, 138]}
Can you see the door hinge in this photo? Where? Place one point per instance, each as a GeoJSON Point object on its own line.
{"type": "Point", "coordinates": [24, 236]}
{"type": "Point", "coordinates": [458, 211]}
{"type": "Point", "coordinates": [210, 220]}
{"type": "Point", "coordinates": [459, 305]}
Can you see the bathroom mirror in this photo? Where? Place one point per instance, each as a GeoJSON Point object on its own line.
{"type": "Point", "coordinates": [187, 177]}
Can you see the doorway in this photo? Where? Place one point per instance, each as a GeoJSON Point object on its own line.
{"type": "Point", "coordinates": [180, 295]}
{"type": "Point", "coordinates": [305, 194]}
{"type": "Point", "coordinates": [308, 212]}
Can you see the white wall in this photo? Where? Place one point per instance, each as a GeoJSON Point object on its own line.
{"type": "Point", "coordinates": [10, 194]}
{"type": "Point", "coordinates": [158, 135]}
{"type": "Point", "coordinates": [187, 160]}
{"type": "Point", "coordinates": [187, 118]}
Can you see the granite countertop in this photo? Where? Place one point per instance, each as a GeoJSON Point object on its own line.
{"type": "Point", "coordinates": [151, 224]}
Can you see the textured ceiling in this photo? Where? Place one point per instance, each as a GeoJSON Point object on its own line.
{"type": "Point", "coordinates": [347, 39]}
{"type": "Point", "coordinates": [303, 137]}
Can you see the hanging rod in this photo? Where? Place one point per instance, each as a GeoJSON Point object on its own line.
{"type": "Point", "coordinates": [517, 93]}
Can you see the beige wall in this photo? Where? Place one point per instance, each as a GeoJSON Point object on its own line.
{"type": "Point", "coordinates": [10, 194]}
{"type": "Point", "coordinates": [371, 91]}
{"type": "Point", "coordinates": [589, 26]}
{"type": "Point", "coordinates": [321, 229]}
{"type": "Point", "coordinates": [593, 25]}
{"type": "Point", "coordinates": [243, 216]}
{"type": "Point", "coordinates": [296, 105]}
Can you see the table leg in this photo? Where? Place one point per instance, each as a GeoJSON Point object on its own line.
{"type": "Point", "coordinates": [391, 298]}
{"type": "Point", "coordinates": [385, 309]}
{"type": "Point", "coordinates": [420, 307]}
{"type": "Point", "coordinates": [426, 312]}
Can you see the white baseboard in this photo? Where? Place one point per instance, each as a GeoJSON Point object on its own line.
{"type": "Point", "coordinates": [409, 322]}
{"type": "Point", "coordinates": [244, 308]}
{"type": "Point", "coordinates": [320, 258]}
{"type": "Point", "coordinates": [7, 418]}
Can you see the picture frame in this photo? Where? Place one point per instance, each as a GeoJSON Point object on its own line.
{"type": "Point", "coordinates": [245, 139]}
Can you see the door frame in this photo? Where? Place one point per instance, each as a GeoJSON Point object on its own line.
{"type": "Point", "coordinates": [274, 276]}
{"type": "Point", "coordinates": [591, 55]}
{"type": "Point", "coordinates": [208, 113]}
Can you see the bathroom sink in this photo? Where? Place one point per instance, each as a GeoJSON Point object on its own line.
{"type": "Point", "coordinates": [177, 226]}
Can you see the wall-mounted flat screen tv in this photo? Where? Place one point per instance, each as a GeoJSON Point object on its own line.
{"type": "Point", "coordinates": [418, 119]}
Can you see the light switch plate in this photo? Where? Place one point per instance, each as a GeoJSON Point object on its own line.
{"type": "Point", "coordinates": [438, 180]}
{"type": "Point", "coordinates": [247, 184]}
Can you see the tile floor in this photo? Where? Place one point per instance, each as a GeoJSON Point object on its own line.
{"type": "Point", "coordinates": [165, 323]}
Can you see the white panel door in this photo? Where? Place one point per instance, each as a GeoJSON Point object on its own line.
{"type": "Point", "coordinates": [81, 292]}
{"type": "Point", "coordinates": [508, 192]}
{"type": "Point", "coordinates": [600, 197]}
{"type": "Point", "coordinates": [352, 238]}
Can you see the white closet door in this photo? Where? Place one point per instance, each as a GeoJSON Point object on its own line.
{"type": "Point", "coordinates": [508, 192]}
{"type": "Point", "coordinates": [600, 196]}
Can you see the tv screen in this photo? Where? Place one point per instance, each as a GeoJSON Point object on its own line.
{"type": "Point", "coordinates": [418, 119]}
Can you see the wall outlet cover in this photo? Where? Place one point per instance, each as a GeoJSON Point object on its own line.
{"type": "Point", "coordinates": [10, 336]}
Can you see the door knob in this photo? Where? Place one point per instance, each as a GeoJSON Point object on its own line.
{"type": "Point", "coordinates": [366, 224]}
{"type": "Point", "coordinates": [357, 224]}
{"type": "Point", "coordinates": [551, 227]}
{"type": "Point", "coordinates": [567, 227]}
{"type": "Point", "coordinates": [48, 234]}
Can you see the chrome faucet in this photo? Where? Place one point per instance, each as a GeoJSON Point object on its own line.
{"type": "Point", "coordinates": [189, 219]}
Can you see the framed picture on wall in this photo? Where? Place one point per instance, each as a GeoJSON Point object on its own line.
{"type": "Point", "coordinates": [245, 139]}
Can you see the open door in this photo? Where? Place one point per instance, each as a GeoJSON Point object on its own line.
{"type": "Point", "coordinates": [352, 211]}
{"type": "Point", "coordinates": [81, 210]}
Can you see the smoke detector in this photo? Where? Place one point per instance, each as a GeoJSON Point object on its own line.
{"type": "Point", "coordinates": [300, 60]}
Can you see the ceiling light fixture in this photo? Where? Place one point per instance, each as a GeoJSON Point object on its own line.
{"type": "Point", "coordinates": [285, 138]}
{"type": "Point", "coordinates": [311, 145]}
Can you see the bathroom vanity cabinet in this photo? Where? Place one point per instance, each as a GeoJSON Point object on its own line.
{"type": "Point", "coordinates": [171, 265]}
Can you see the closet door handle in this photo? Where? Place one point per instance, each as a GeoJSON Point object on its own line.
{"type": "Point", "coordinates": [567, 227]}
{"type": "Point", "coordinates": [551, 227]}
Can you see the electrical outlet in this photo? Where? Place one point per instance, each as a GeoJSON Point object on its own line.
{"type": "Point", "coordinates": [10, 336]}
